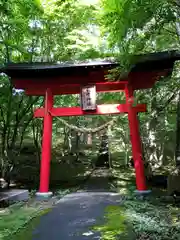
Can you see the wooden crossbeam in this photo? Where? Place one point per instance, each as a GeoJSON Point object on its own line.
{"type": "Point", "coordinates": [101, 110]}
{"type": "Point", "coordinates": [38, 89]}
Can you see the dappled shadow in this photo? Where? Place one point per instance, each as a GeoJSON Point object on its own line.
{"type": "Point", "coordinates": [65, 170]}
{"type": "Point", "coordinates": [97, 184]}
{"type": "Point", "coordinates": [124, 181]}
{"type": "Point", "coordinates": [64, 175]}
{"type": "Point", "coordinates": [100, 180]}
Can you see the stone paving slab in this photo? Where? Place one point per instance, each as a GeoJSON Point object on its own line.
{"type": "Point", "coordinates": [14, 195]}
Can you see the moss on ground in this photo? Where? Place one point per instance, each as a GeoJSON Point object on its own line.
{"type": "Point", "coordinates": [114, 225]}
{"type": "Point", "coordinates": [27, 229]}
{"type": "Point", "coordinates": [14, 220]}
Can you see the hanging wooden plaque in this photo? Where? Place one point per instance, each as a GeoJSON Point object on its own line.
{"type": "Point", "coordinates": [88, 98]}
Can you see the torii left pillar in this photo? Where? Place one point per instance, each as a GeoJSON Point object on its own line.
{"type": "Point", "coordinates": [46, 148]}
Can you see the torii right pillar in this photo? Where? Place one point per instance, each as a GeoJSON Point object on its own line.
{"type": "Point", "coordinates": [136, 143]}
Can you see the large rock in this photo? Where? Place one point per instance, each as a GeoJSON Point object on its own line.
{"type": "Point", "coordinates": [173, 184]}
{"type": "Point", "coordinates": [159, 181]}
{"type": "Point", "coordinates": [3, 183]}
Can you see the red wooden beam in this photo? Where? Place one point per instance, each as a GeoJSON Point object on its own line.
{"type": "Point", "coordinates": [101, 110]}
{"type": "Point", "coordinates": [39, 90]}
{"type": "Point", "coordinates": [69, 78]}
{"type": "Point", "coordinates": [71, 85]}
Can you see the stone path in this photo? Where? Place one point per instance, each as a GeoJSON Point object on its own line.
{"type": "Point", "coordinates": [76, 213]}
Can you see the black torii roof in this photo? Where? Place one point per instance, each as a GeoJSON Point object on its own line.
{"type": "Point", "coordinates": [145, 63]}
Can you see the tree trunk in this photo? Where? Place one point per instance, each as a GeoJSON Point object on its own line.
{"type": "Point", "coordinates": [103, 158]}
{"type": "Point", "coordinates": [177, 153]}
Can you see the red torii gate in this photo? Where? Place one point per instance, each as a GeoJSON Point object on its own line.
{"type": "Point", "coordinates": [42, 79]}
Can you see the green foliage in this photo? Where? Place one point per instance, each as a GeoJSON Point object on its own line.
{"type": "Point", "coordinates": [135, 27]}
{"type": "Point", "coordinates": [14, 27]}
{"type": "Point", "coordinates": [121, 19]}
{"type": "Point", "coordinates": [153, 220]}
{"type": "Point", "coordinates": [44, 32]}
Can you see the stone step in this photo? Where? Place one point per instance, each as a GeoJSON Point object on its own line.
{"type": "Point", "coordinates": [11, 196]}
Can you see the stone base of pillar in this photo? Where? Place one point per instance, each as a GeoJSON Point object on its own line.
{"type": "Point", "coordinates": [43, 196]}
{"type": "Point", "coordinates": [143, 192]}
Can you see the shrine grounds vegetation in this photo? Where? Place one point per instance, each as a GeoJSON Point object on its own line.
{"type": "Point", "coordinates": [140, 220]}
{"type": "Point", "coordinates": [20, 219]}
{"type": "Point", "coordinates": [134, 218]}
{"type": "Point", "coordinates": [69, 31]}
{"type": "Point", "coordinates": [152, 217]}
